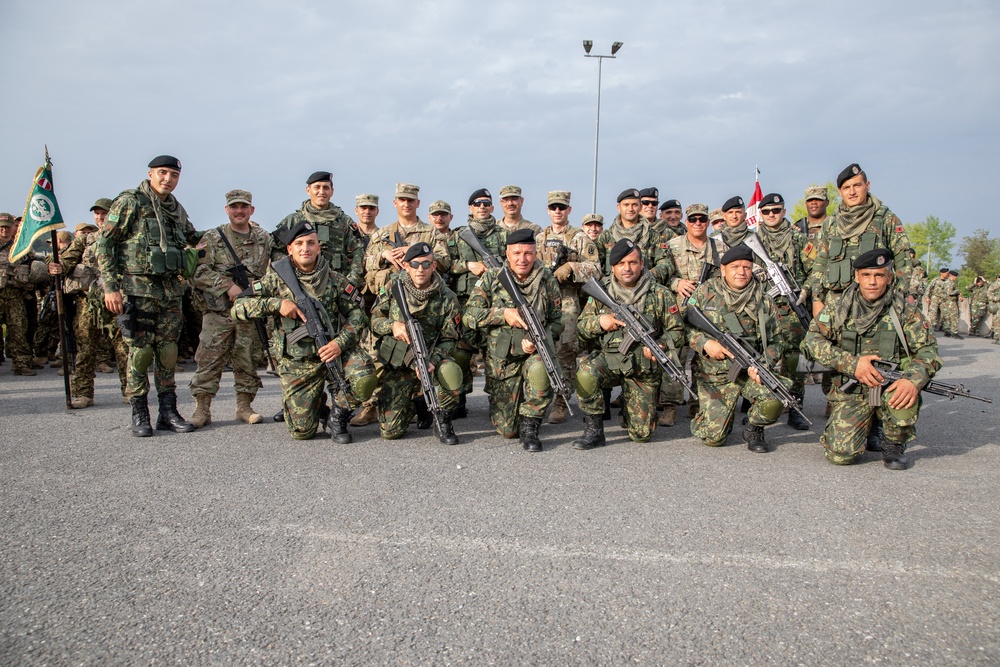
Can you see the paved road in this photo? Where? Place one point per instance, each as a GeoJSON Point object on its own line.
{"type": "Point", "coordinates": [234, 545]}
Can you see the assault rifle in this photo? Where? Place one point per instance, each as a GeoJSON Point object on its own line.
{"type": "Point", "coordinates": [420, 354]}
{"type": "Point", "coordinates": [637, 330]}
{"type": "Point", "coordinates": [889, 370]}
{"type": "Point", "coordinates": [241, 277]}
{"type": "Point", "coordinates": [490, 260]}
{"type": "Point", "coordinates": [745, 358]}
{"type": "Point", "coordinates": [561, 257]}
{"type": "Point", "coordinates": [537, 334]}
{"type": "Point", "coordinates": [784, 283]}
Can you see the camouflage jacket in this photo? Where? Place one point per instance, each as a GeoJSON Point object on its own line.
{"type": "Point", "coordinates": [337, 295]}
{"type": "Point", "coordinates": [689, 260]}
{"type": "Point", "coordinates": [811, 249]}
{"type": "Point", "coordinates": [793, 259]}
{"type": "Point", "coordinates": [440, 319]}
{"type": "Point", "coordinates": [918, 280]}
{"type": "Point", "coordinates": [951, 291]}
{"type": "Point", "coordinates": [666, 232]}
{"type": "Point", "coordinates": [22, 275]}
{"type": "Point", "coordinates": [938, 288]}
{"type": "Point", "coordinates": [80, 276]}
{"type": "Point", "coordinates": [833, 341]}
{"type": "Point", "coordinates": [582, 256]}
{"type": "Point", "coordinates": [710, 300]}
{"type": "Point", "coordinates": [211, 278]}
{"type": "Point", "coordinates": [378, 270]}
{"type": "Point", "coordinates": [658, 306]}
{"type": "Point", "coordinates": [484, 312]}
{"type": "Point", "coordinates": [524, 223]}
{"type": "Point", "coordinates": [655, 251]}
{"type": "Point", "coordinates": [978, 294]}
{"type": "Point", "coordinates": [993, 292]}
{"type": "Point", "coordinates": [461, 254]}
{"type": "Point", "coordinates": [337, 241]}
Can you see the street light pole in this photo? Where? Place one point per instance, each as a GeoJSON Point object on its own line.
{"type": "Point", "coordinates": [587, 45]}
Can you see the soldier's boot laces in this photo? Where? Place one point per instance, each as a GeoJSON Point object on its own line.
{"type": "Point", "coordinates": [368, 415]}
{"type": "Point", "coordinates": [339, 425]}
{"type": "Point", "coordinates": [529, 434]}
{"type": "Point", "coordinates": [795, 420]}
{"type": "Point", "coordinates": [447, 434]}
{"type": "Point", "coordinates": [245, 411]}
{"type": "Point", "coordinates": [461, 412]}
{"type": "Point", "coordinates": [168, 418]}
{"type": "Point", "coordinates": [893, 456]}
{"type": "Point", "coordinates": [140, 417]}
{"type": "Point", "coordinates": [875, 435]}
{"type": "Point", "coordinates": [424, 417]}
{"type": "Point", "coordinates": [203, 411]}
{"type": "Point", "coordinates": [754, 437]}
{"type": "Point", "coordinates": [558, 414]}
{"type": "Point", "coordinates": [593, 433]}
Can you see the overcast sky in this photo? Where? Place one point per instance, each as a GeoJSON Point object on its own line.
{"type": "Point", "coordinates": [454, 96]}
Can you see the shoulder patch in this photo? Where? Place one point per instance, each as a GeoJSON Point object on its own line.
{"type": "Point", "coordinates": [692, 301]}
{"type": "Point", "coordinates": [899, 229]}
{"type": "Point", "coordinates": [808, 248]}
{"type": "Point", "coordinates": [673, 309]}
{"type": "Point", "coordinates": [824, 317]}
{"type": "Point", "coordinates": [202, 245]}
{"type": "Point", "coordinates": [113, 217]}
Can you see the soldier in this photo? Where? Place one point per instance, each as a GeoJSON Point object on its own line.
{"type": "Point", "coordinates": [716, 220]}
{"type": "Point", "coordinates": [366, 208]}
{"type": "Point", "coordinates": [140, 251]}
{"type": "Point", "coordinates": [301, 364]}
{"type": "Point", "coordinates": [335, 229]}
{"type": "Point", "coordinates": [671, 214]}
{"type": "Point", "coordinates": [871, 320]}
{"type": "Point", "coordinates": [440, 216]}
{"type": "Point", "coordinates": [993, 294]}
{"type": "Point", "coordinates": [977, 304]}
{"type": "Point", "coordinates": [572, 258]}
{"type": "Point", "coordinates": [736, 303]}
{"type": "Point", "coordinates": [520, 390]}
{"type": "Point", "coordinates": [949, 306]}
{"type": "Point", "coordinates": [812, 224]}
{"type": "Point", "coordinates": [593, 225]}
{"type": "Point", "coordinates": [918, 279]}
{"type": "Point", "coordinates": [649, 199]}
{"type": "Point", "coordinates": [629, 224]}
{"type": "Point", "coordinates": [937, 291]}
{"type": "Point", "coordinates": [735, 228]}
{"type": "Point", "coordinates": [108, 344]}
{"type": "Point", "coordinates": [511, 202]}
{"type": "Point", "coordinates": [47, 333]}
{"type": "Point", "coordinates": [15, 279]}
{"type": "Point", "coordinates": [240, 243]}
{"type": "Point", "coordinates": [636, 369]}
{"type": "Point", "coordinates": [436, 308]}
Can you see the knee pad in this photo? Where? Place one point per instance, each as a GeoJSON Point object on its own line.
{"type": "Point", "coordinates": [364, 386]}
{"type": "Point", "coordinates": [538, 379]}
{"type": "Point", "coordinates": [168, 355]}
{"type": "Point", "coordinates": [907, 417]}
{"type": "Point", "coordinates": [449, 374]}
{"type": "Point", "coordinates": [463, 358]}
{"type": "Point", "coordinates": [142, 358]}
{"type": "Point", "coordinates": [770, 409]}
{"type": "Point", "coordinates": [586, 384]}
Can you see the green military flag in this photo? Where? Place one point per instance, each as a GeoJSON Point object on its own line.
{"type": "Point", "coordinates": [41, 213]}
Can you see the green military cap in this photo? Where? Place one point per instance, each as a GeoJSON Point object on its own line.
{"type": "Point", "coordinates": [696, 209]}
{"type": "Point", "coordinates": [85, 227]}
{"type": "Point", "coordinates": [510, 191]}
{"type": "Point", "coordinates": [103, 203]}
{"type": "Point", "coordinates": [407, 191]}
{"type": "Point", "coordinates": [593, 219]}
{"type": "Point", "coordinates": [559, 197]}
{"type": "Point", "coordinates": [366, 200]}
{"type": "Point", "coordinates": [816, 192]}
{"type": "Point", "coordinates": [239, 197]}
{"type": "Point", "coordinates": [6, 220]}
{"type": "Point", "coordinates": [440, 206]}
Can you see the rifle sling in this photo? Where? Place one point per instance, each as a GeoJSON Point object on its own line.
{"type": "Point", "coordinates": [232, 251]}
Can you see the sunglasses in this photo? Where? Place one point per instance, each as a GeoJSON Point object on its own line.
{"type": "Point", "coordinates": [698, 220]}
{"type": "Point", "coordinates": [480, 203]}
{"type": "Point", "coordinates": [770, 211]}
{"type": "Point", "coordinates": [649, 202]}
{"type": "Point", "coordinates": [557, 207]}
{"type": "Point", "coordinates": [426, 264]}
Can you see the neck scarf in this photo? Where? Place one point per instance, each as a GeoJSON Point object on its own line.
{"type": "Point", "coordinates": [733, 236]}
{"type": "Point", "coordinates": [320, 215]}
{"type": "Point", "coordinates": [482, 228]}
{"type": "Point", "coordinates": [737, 301]}
{"type": "Point", "coordinates": [417, 299]}
{"type": "Point", "coordinates": [866, 313]}
{"type": "Point", "coordinates": [853, 220]}
{"type": "Point", "coordinates": [633, 296]}
{"type": "Point", "coordinates": [168, 209]}
{"type": "Point", "coordinates": [778, 241]}
{"type": "Point", "coordinates": [531, 288]}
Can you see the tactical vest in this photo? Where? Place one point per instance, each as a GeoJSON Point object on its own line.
{"type": "Point", "coordinates": [633, 362]}
{"type": "Point", "coordinates": [464, 282]}
{"type": "Point", "coordinates": [842, 253]}
{"type": "Point", "coordinates": [331, 242]}
{"type": "Point", "coordinates": [141, 253]}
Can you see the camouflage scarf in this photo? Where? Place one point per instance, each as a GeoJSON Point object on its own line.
{"type": "Point", "coordinates": [637, 233]}
{"type": "Point", "coordinates": [314, 281]}
{"type": "Point", "coordinates": [633, 296]}
{"type": "Point", "coordinates": [532, 290]}
{"type": "Point", "coordinates": [733, 236]}
{"type": "Point", "coordinates": [861, 311]}
{"type": "Point", "coordinates": [853, 220]}
{"type": "Point", "coordinates": [738, 300]}
{"type": "Point", "coordinates": [168, 209]}
{"type": "Point", "coordinates": [417, 299]}
{"type": "Point", "coordinates": [320, 215]}
{"type": "Point", "coordinates": [778, 241]}
{"type": "Point", "coordinates": [482, 228]}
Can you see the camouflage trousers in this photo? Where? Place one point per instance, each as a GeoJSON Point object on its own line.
{"type": "Point", "coordinates": [793, 333]}
{"type": "Point", "coordinates": [14, 316]}
{"type": "Point", "coordinates": [157, 347]}
{"type": "Point", "coordinates": [714, 421]}
{"type": "Point", "coordinates": [846, 430]}
{"type": "Point", "coordinates": [638, 395]}
{"type": "Point", "coordinates": [949, 315]}
{"type": "Point", "coordinates": [977, 313]}
{"type": "Point", "coordinates": [224, 339]}
{"type": "Point", "coordinates": [87, 335]}
{"type": "Point", "coordinates": [400, 385]}
{"type": "Point", "coordinates": [46, 339]}
{"type": "Point", "coordinates": [568, 345]}
{"type": "Point", "coordinates": [995, 325]}
{"type": "Point", "coordinates": [672, 391]}
{"type": "Point", "coordinates": [523, 391]}
{"type": "Point", "coordinates": [303, 382]}
{"type": "Point", "coordinates": [110, 333]}
{"type": "Point", "coordinates": [935, 311]}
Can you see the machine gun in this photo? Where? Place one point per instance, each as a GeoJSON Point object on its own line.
{"type": "Point", "coordinates": [784, 284]}
{"type": "Point", "coordinates": [420, 354]}
{"type": "Point", "coordinates": [889, 370]}
{"type": "Point", "coordinates": [490, 260]}
{"type": "Point", "coordinates": [637, 330]}
{"type": "Point", "coordinates": [745, 358]}
{"type": "Point", "coordinates": [241, 277]}
{"type": "Point", "coordinates": [537, 334]}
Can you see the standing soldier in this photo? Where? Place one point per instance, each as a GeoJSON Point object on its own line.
{"type": "Point", "coordinates": [977, 305]}
{"type": "Point", "coordinates": [993, 294]}
{"type": "Point", "coordinates": [334, 228]}
{"type": "Point", "coordinates": [671, 214]}
{"type": "Point", "coordinates": [366, 208]}
{"type": "Point", "coordinates": [918, 280]}
{"type": "Point", "coordinates": [735, 228]}
{"type": "Point", "coordinates": [241, 249]}
{"type": "Point", "coordinates": [649, 200]}
{"type": "Point", "coordinates": [937, 291]}
{"type": "Point", "coordinates": [572, 258]}
{"type": "Point", "coordinates": [869, 321]}
{"type": "Point", "coordinates": [301, 362]}
{"type": "Point", "coordinates": [629, 224]}
{"type": "Point", "coordinates": [440, 216]}
{"type": "Point", "coordinates": [520, 390]}
{"type": "Point", "coordinates": [635, 369]}
{"type": "Point", "coordinates": [435, 308]}
{"type": "Point", "coordinates": [738, 304]}
{"type": "Point", "coordinates": [812, 224]}
{"type": "Point", "coordinates": [593, 225]}
{"type": "Point", "coordinates": [949, 306]}
{"type": "Point", "coordinates": [15, 279]}
{"type": "Point", "coordinates": [141, 254]}
{"type": "Point", "coordinates": [512, 202]}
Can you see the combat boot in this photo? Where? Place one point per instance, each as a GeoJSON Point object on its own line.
{"type": "Point", "coordinates": [795, 420]}
{"type": "Point", "coordinates": [461, 412]}
{"type": "Point", "coordinates": [529, 434]}
{"type": "Point", "coordinates": [24, 370]}
{"type": "Point", "coordinates": [424, 417]}
{"type": "Point", "coordinates": [693, 407]}
{"type": "Point", "coordinates": [558, 413]}
{"type": "Point", "coordinates": [874, 441]}
{"type": "Point", "coordinates": [607, 404]}
{"type": "Point", "coordinates": [893, 456]}
{"type": "Point", "coordinates": [338, 425]}
{"type": "Point", "coordinates": [245, 411]}
{"type": "Point", "coordinates": [368, 415]}
{"type": "Point", "coordinates": [956, 335]}
{"type": "Point", "coordinates": [668, 416]}
{"type": "Point", "coordinates": [168, 418]}
{"type": "Point", "coordinates": [81, 402]}
{"type": "Point", "coordinates": [279, 416]}
{"type": "Point", "coordinates": [203, 411]}
{"type": "Point", "coordinates": [323, 416]}
{"type": "Point", "coordinates": [447, 435]}
{"type": "Point", "coordinates": [593, 433]}
{"type": "Point", "coordinates": [754, 437]}
{"type": "Point", "coordinates": [140, 417]}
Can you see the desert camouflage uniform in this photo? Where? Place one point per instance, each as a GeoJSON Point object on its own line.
{"type": "Point", "coordinates": [639, 377]}
{"type": "Point", "coordinates": [937, 294]}
{"type": "Point", "coordinates": [834, 342]}
{"type": "Point", "coordinates": [440, 320]}
{"type": "Point", "coordinates": [222, 339]}
{"type": "Point", "coordinates": [655, 251]}
{"type": "Point", "coordinates": [949, 306]}
{"type": "Point", "coordinates": [78, 279]}
{"type": "Point", "coordinates": [338, 242]}
{"type": "Point", "coordinates": [519, 386]}
{"type": "Point", "coordinates": [15, 280]}
{"type": "Point", "coordinates": [757, 324]}
{"type": "Point", "coordinates": [993, 294]}
{"type": "Point", "coordinates": [977, 306]}
{"type": "Point", "coordinates": [303, 374]}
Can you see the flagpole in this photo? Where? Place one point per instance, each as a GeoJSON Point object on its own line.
{"type": "Point", "coordinates": [61, 315]}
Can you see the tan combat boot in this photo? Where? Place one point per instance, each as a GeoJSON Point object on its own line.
{"type": "Point", "coordinates": [668, 415]}
{"type": "Point", "coordinates": [693, 407]}
{"type": "Point", "coordinates": [558, 414]}
{"type": "Point", "coordinates": [81, 402]}
{"type": "Point", "coordinates": [202, 414]}
{"type": "Point", "coordinates": [245, 412]}
{"type": "Point", "coordinates": [368, 415]}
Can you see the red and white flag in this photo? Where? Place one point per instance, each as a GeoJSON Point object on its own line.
{"type": "Point", "coordinates": [753, 209]}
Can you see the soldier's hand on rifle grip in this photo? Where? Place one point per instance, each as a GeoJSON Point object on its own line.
{"type": "Point", "coordinates": [904, 394]}
{"type": "Point", "coordinates": [527, 346]}
{"type": "Point", "coordinates": [866, 373]}
{"type": "Point", "coordinates": [476, 268]}
{"type": "Point", "coordinates": [610, 323]}
{"type": "Point", "coordinates": [686, 287]}
{"type": "Point", "coordinates": [649, 355]}
{"type": "Point", "coordinates": [291, 311]}
{"type": "Point", "coordinates": [233, 292]}
{"type": "Point", "coordinates": [564, 273]}
{"type": "Point", "coordinates": [399, 332]}
{"type": "Point", "coordinates": [513, 319]}
{"type": "Point", "coordinates": [329, 352]}
{"type": "Point", "coordinates": [55, 269]}
{"type": "Point", "coordinates": [714, 349]}
{"type": "Point", "coordinates": [113, 302]}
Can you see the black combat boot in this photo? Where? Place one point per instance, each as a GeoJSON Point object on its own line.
{"type": "Point", "coordinates": [338, 425]}
{"type": "Point", "coordinates": [279, 416]}
{"type": "Point", "coordinates": [140, 417]}
{"type": "Point", "coordinates": [795, 420]}
{"type": "Point", "coordinates": [323, 415]}
{"type": "Point", "coordinates": [169, 419]}
{"type": "Point", "coordinates": [607, 404]}
{"type": "Point", "coordinates": [893, 457]}
{"type": "Point", "coordinates": [874, 441]}
{"type": "Point", "coordinates": [424, 417]}
{"type": "Point", "coordinates": [447, 435]}
{"type": "Point", "coordinates": [529, 434]}
{"type": "Point", "coordinates": [593, 433]}
{"type": "Point", "coordinates": [461, 412]}
{"type": "Point", "coordinates": [754, 437]}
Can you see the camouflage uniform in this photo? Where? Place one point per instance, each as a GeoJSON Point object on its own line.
{"type": "Point", "coordinates": [440, 320]}
{"type": "Point", "coordinates": [811, 249]}
{"type": "Point", "coordinates": [78, 279]}
{"type": "Point", "coordinates": [834, 341]}
{"type": "Point", "coordinates": [303, 374]}
{"type": "Point", "coordinates": [655, 252]}
{"type": "Point", "coordinates": [993, 294]}
{"type": "Point", "coordinates": [221, 338]}
{"type": "Point", "coordinates": [757, 324]}
{"type": "Point", "coordinates": [977, 307]}
{"type": "Point", "coordinates": [523, 223]}
{"type": "Point", "coordinates": [639, 377]}
{"type": "Point", "coordinates": [949, 307]}
{"type": "Point", "coordinates": [520, 386]}
{"type": "Point", "coordinates": [937, 294]}
{"type": "Point", "coordinates": [378, 271]}
{"type": "Point", "coordinates": [338, 243]}
{"type": "Point", "coordinates": [15, 280]}
{"type": "Point", "coordinates": [918, 281]}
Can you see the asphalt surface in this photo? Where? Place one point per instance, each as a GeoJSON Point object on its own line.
{"type": "Point", "coordinates": [236, 545]}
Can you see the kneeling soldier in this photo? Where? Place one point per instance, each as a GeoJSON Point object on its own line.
{"type": "Point", "coordinates": [638, 373]}
{"type": "Point", "coordinates": [435, 307]}
{"type": "Point", "coordinates": [302, 364]}
{"type": "Point", "coordinates": [871, 320]}
{"type": "Point", "coordinates": [738, 304]}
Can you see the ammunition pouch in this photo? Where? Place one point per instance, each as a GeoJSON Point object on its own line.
{"type": "Point", "coordinates": [507, 344]}
{"type": "Point", "coordinates": [394, 353]}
